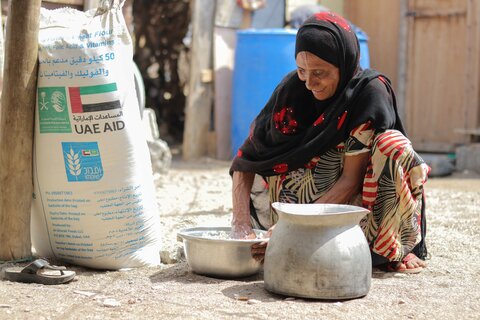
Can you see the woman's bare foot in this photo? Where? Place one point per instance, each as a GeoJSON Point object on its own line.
{"type": "Point", "coordinates": [410, 264]}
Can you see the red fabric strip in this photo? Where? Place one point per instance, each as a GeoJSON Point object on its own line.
{"type": "Point", "coordinates": [369, 194]}
{"type": "Point", "coordinates": [319, 120]}
{"type": "Point", "coordinates": [341, 120]}
{"type": "Point", "coordinates": [398, 154]}
{"type": "Point", "coordinates": [369, 184]}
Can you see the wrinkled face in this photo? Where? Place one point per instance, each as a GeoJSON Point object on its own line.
{"type": "Point", "coordinates": [320, 76]}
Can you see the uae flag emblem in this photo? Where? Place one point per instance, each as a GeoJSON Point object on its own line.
{"type": "Point", "coordinates": [94, 98]}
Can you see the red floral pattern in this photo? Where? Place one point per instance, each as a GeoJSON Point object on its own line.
{"type": "Point", "coordinates": [312, 163]}
{"type": "Point", "coordinates": [280, 168]}
{"type": "Point", "coordinates": [285, 121]}
{"type": "Point", "coordinates": [333, 18]}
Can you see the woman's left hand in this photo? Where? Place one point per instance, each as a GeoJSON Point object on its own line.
{"type": "Point", "coordinates": [258, 249]}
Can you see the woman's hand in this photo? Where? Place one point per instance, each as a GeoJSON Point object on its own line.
{"type": "Point", "coordinates": [242, 231]}
{"type": "Point", "coordinates": [241, 187]}
{"type": "Point", "coordinates": [258, 249]}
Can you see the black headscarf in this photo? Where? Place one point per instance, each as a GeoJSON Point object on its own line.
{"type": "Point", "coordinates": [294, 127]}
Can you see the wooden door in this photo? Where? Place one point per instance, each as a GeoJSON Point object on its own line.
{"type": "Point", "coordinates": [441, 72]}
{"type": "Point", "coordinates": [380, 21]}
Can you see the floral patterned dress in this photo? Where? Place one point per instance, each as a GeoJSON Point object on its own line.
{"type": "Point", "coordinates": [392, 189]}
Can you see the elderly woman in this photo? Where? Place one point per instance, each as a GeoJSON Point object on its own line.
{"type": "Point", "coordinates": [330, 133]}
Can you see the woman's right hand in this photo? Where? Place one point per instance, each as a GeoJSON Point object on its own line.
{"type": "Point", "coordinates": [241, 188]}
{"type": "Point", "coordinates": [242, 231]}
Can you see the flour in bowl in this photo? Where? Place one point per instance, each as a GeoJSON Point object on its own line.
{"type": "Point", "coordinates": [223, 235]}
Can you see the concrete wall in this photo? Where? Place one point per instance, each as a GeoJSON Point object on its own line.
{"type": "Point", "coordinates": [334, 5]}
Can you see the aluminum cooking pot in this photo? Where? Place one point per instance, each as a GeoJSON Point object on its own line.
{"type": "Point", "coordinates": [318, 251]}
{"type": "Point", "coordinates": [219, 257]}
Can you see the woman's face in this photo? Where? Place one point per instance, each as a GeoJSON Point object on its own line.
{"type": "Point", "coordinates": [320, 76]}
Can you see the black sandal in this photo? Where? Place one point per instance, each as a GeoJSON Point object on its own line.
{"type": "Point", "coordinates": [40, 271]}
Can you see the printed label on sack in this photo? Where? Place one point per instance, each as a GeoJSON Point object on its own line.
{"type": "Point", "coordinates": [53, 110]}
{"type": "Point", "coordinates": [82, 161]}
{"type": "Point", "coordinates": [119, 212]}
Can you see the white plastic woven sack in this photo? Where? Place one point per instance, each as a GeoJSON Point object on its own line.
{"type": "Point", "coordinates": [94, 199]}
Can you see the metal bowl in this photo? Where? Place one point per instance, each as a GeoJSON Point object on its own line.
{"type": "Point", "coordinates": [220, 258]}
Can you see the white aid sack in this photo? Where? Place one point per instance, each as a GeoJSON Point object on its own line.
{"type": "Point", "coordinates": [94, 198]}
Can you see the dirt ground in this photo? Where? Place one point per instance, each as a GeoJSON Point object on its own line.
{"type": "Point", "coordinates": [198, 194]}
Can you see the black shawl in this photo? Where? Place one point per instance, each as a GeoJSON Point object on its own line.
{"type": "Point", "coordinates": [294, 127]}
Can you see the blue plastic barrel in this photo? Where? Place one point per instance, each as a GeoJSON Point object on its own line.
{"type": "Point", "coordinates": [363, 41]}
{"type": "Point", "coordinates": [262, 58]}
